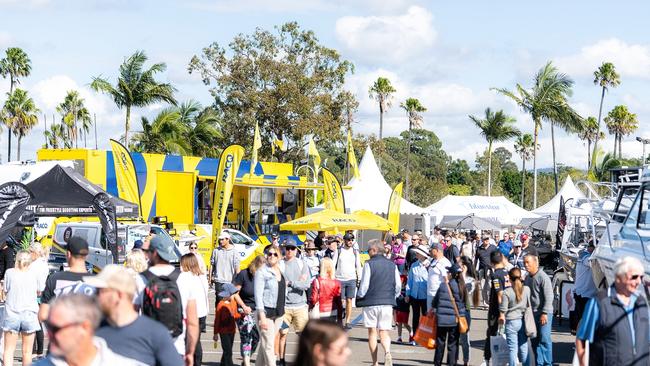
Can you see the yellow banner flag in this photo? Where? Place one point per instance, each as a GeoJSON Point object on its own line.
{"type": "Point", "coordinates": [393, 206]}
{"type": "Point", "coordinates": [313, 152]}
{"type": "Point", "coordinates": [225, 180]}
{"type": "Point", "coordinates": [127, 181]}
{"type": "Point", "coordinates": [257, 143]}
{"type": "Point", "coordinates": [334, 199]}
{"type": "Point", "coordinates": [280, 144]}
{"type": "Point", "coordinates": [352, 159]}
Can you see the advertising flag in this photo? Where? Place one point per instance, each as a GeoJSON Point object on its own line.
{"type": "Point", "coordinates": [334, 199]}
{"type": "Point", "coordinates": [14, 197]}
{"type": "Point", "coordinates": [352, 159]}
{"type": "Point", "coordinates": [280, 144]}
{"type": "Point", "coordinates": [561, 222]}
{"type": "Point", "coordinates": [313, 152]}
{"type": "Point", "coordinates": [127, 181]}
{"type": "Point", "coordinates": [393, 206]}
{"type": "Point", "coordinates": [257, 143]}
{"type": "Point", "coordinates": [225, 180]}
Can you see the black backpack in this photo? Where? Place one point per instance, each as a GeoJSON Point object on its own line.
{"type": "Point", "coordinates": [162, 301]}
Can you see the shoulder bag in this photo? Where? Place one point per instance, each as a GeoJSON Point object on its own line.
{"type": "Point", "coordinates": [461, 320]}
{"type": "Point", "coordinates": [529, 320]}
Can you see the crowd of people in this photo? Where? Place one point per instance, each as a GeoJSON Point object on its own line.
{"type": "Point", "coordinates": [153, 309]}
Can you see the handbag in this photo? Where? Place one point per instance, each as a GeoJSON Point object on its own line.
{"type": "Point", "coordinates": [427, 331]}
{"type": "Point", "coordinates": [499, 349]}
{"type": "Point", "coordinates": [314, 313]}
{"type": "Point", "coordinates": [529, 321]}
{"type": "Point", "coordinates": [463, 327]}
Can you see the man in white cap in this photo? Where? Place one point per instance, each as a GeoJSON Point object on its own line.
{"type": "Point", "coordinates": [126, 332]}
{"type": "Point", "coordinates": [224, 263]}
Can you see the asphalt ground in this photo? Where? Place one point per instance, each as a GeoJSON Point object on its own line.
{"type": "Point", "coordinates": [402, 354]}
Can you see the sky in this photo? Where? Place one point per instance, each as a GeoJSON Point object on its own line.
{"type": "Point", "coordinates": [448, 54]}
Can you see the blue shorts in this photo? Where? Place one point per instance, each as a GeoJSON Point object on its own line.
{"type": "Point", "coordinates": [348, 289]}
{"type": "Point", "coordinates": [23, 322]}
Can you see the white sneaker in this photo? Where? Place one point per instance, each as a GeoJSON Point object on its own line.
{"type": "Point", "coordinates": [485, 363]}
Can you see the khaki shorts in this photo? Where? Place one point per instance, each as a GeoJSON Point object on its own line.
{"type": "Point", "coordinates": [296, 319]}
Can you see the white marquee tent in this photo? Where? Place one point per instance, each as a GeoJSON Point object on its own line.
{"type": "Point", "coordinates": [496, 208]}
{"type": "Point", "coordinates": [552, 207]}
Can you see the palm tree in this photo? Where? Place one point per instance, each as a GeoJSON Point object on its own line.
{"type": "Point", "coordinates": [16, 64]}
{"type": "Point", "coordinates": [136, 87]}
{"type": "Point", "coordinates": [620, 122]}
{"type": "Point", "coordinates": [590, 134]}
{"type": "Point", "coordinates": [20, 114]}
{"type": "Point", "coordinates": [524, 146]}
{"type": "Point", "coordinates": [495, 127]}
{"type": "Point", "coordinates": [166, 134]}
{"type": "Point", "coordinates": [72, 112]}
{"type": "Point", "coordinates": [203, 128]}
{"type": "Point", "coordinates": [382, 91]}
{"type": "Point", "coordinates": [601, 165]}
{"type": "Point", "coordinates": [605, 77]}
{"type": "Point", "coordinates": [414, 110]}
{"type": "Point", "coordinates": [545, 101]}
{"type": "Point", "coordinates": [54, 135]}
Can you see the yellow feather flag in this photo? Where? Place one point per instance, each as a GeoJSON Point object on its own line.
{"type": "Point", "coordinates": [127, 181]}
{"type": "Point", "coordinates": [257, 143]}
{"type": "Point", "coordinates": [280, 144]}
{"type": "Point", "coordinates": [314, 152]}
{"type": "Point", "coordinates": [226, 173]}
{"type": "Point", "coordinates": [352, 159]}
{"type": "Point", "coordinates": [393, 206]}
{"type": "Point", "coordinates": [334, 199]}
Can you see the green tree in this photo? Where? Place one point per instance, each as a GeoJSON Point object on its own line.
{"type": "Point", "coordinates": [459, 173]}
{"type": "Point", "coordinates": [287, 82]}
{"type": "Point", "coordinates": [136, 87]}
{"type": "Point", "coordinates": [590, 134]}
{"type": "Point", "coordinates": [203, 126]}
{"type": "Point", "coordinates": [382, 91]}
{"type": "Point", "coordinates": [55, 137]}
{"type": "Point", "coordinates": [620, 122]}
{"type": "Point", "coordinates": [15, 64]}
{"type": "Point", "coordinates": [73, 112]}
{"type": "Point", "coordinates": [605, 77]}
{"type": "Point", "coordinates": [495, 127]}
{"type": "Point", "coordinates": [20, 114]}
{"type": "Point", "coordinates": [545, 101]}
{"type": "Point", "coordinates": [414, 110]}
{"type": "Point", "coordinates": [166, 134]}
{"type": "Point", "coordinates": [524, 146]}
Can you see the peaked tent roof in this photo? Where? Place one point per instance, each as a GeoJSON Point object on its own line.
{"type": "Point", "coordinates": [552, 207]}
{"type": "Point", "coordinates": [496, 207]}
{"type": "Point", "coordinates": [371, 192]}
{"type": "Point", "coordinates": [64, 192]}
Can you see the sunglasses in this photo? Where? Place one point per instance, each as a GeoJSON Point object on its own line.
{"type": "Point", "coordinates": [54, 329]}
{"type": "Point", "coordinates": [272, 254]}
{"type": "Point", "coordinates": [194, 247]}
{"type": "Point", "coordinates": [292, 248]}
{"type": "Point", "coordinates": [636, 277]}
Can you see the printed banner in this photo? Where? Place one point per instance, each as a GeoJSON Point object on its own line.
{"type": "Point", "coordinates": [225, 180]}
{"type": "Point", "coordinates": [13, 199]}
{"type": "Point", "coordinates": [334, 199]}
{"type": "Point", "coordinates": [393, 206]}
{"type": "Point", "coordinates": [106, 213]}
{"type": "Point", "coordinates": [127, 181]}
{"type": "Point", "coordinates": [257, 143]}
{"type": "Point", "coordinates": [313, 152]}
{"type": "Point", "coordinates": [561, 223]}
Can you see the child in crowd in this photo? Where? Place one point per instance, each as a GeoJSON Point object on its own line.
{"type": "Point", "coordinates": [225, 322]}
{"type": "Point", "coordinates": [402, 311]}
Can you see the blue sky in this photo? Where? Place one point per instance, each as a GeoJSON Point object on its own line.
{"type": "Point", "coordinates": [447, 54]}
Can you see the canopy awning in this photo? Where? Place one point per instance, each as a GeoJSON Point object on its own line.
{"type": "Point", "coordinates": [330, 220]}
{"type": "Point", "coordinates": [497, 208]}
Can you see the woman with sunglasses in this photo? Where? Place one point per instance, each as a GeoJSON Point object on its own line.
{"type": "Point", "coordinates": [270, 295]}
{"type": "Point", "coordinates": [194, 249]}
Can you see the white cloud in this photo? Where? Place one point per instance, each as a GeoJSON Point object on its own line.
{"type": "Point", "coordinates": [631, 60]}
{"type": "Point", "coordinates": [389, 38]}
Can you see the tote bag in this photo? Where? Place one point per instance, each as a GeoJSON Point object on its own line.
{"type": "Point", "coordinates": [499, 349]}
{"type": "Point", "coordinates": [529, 321]}
{"type": "Point", "coordinates": [427, 331]}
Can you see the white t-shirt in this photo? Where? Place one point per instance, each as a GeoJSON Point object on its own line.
{"type": "Point", "coordinates": [190, 289]}
{"type": "Point", "coordinates": [42, 270]}
{"type": "Point", "coordinates": [348, 266]}
{"type": "Point", "coordinates": [201, 285]}
{"type": "Point", "coordinates": [21, 288]}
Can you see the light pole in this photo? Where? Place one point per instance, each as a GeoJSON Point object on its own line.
{"type": "Point", "coordinates": [644, 142]}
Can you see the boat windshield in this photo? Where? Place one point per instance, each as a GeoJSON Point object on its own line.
{"type": "Point", "coordinates": [636, 226]}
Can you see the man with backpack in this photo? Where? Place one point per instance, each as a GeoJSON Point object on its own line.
{"type": "Point", "coordinates": [348, 271]}
{"type": "Point", "coordinates": [170, 297]}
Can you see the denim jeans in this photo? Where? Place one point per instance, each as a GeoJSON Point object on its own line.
{"type": "Point", "coordinates": [542, 344]}
{"type": "Point", "coordinates": [517, 342]}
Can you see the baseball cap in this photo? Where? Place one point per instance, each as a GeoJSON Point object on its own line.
{"type": "Point", "coordinates": [348, 237]}
{"type": "Point", "coordinates": [275, 235]}
{"type": "Point", "coordinates": [164, 250]}
{"type": "Point", "coordinates": [290, 242]}
{"type": "Point", "coordinates": [523, 237]}
{"type": "Point", "coordinates": [77, 246]}
{"type": "Point", "coordinates": [454, 268]}
{"type": "Point", "coordinates": [333, 239]}
{"type": "Point", "coordinates": [115, 277]}
{"type": "Point", "coordinates": [137, 244]}
{"type": "Point", "coordinates": [436, 246]}
{"type": "Point", "coordinates": [227, 290]}
{"type": "Point", "coordinates": [224, 235]}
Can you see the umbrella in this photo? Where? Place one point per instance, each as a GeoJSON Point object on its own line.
{"type": "Point", "coordinates": [469, 222]}
{"type": "Point", "coordinates": [374, 222]}
{"type": "Point", "coordinates": [330, 220]}
{"type": "Point", "coordinates": [545, 223]}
